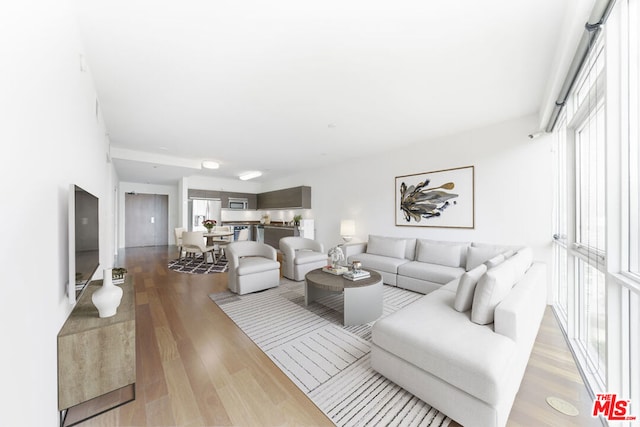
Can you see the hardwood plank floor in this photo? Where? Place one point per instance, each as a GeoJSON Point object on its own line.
{"type": "Point", "coordinates": [196, 368]}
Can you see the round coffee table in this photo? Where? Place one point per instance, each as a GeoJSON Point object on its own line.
{"type": "Point", "coordinates": [362, 298]}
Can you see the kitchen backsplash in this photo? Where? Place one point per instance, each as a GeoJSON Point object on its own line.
{"type": "Point", "coordinates": [277, 215]}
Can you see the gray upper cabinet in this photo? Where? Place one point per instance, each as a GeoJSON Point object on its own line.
{"type": "Point", "coordinates": [288, 198]}
{"type": "Point", "coordinates": [252, 199]}
{"type": "Point", "coordinates": [224, 196]}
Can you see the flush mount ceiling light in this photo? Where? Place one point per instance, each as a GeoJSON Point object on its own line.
{"type": "Point", "coordinates": [208, 164]}
{"type": "Point", "coordinates": [250, 175]}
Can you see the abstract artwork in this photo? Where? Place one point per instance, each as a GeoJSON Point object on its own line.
{"type": "Point", "coordinates": [442, 198]}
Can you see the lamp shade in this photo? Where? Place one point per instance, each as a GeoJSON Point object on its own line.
{"type": "Point", "coordinates": [347, 229]}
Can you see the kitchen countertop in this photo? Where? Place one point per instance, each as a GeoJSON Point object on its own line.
{"type": "Point", "coordinates": [273, 224]}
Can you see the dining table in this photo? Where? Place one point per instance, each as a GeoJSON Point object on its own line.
{"type": "Point", "coordinates": [214, 237]}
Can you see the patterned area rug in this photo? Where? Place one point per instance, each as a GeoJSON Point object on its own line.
{"type": "Point", "coordinates": [198, 266]}
{"type": "Point", "coordinates": [326, 360]}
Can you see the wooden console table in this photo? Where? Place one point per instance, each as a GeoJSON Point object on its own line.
{"type": "Point", "coordinates": [96, 357]}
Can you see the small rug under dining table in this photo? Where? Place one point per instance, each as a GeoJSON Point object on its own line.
{"type": "Point", "coordinates": [198, 265]}
{"type": "Point", "coordinates": [326, 360]}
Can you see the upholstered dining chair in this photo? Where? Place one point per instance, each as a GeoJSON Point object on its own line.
{"type": "Point", "coordinates": [222, 241]}
{"type": "Point", "coordinates": [193, 243]}
{"type": "Point", "coordinates": [178, 233]}
{"type": "Point", "coordinates": [253, 267]}
{"type": "Point", "coordinates": [301, 255]}
{"type": "Point", "coordinates": [243, 234]}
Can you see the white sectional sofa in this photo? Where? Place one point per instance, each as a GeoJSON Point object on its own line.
{"type": "Point", "coordinates": [420, 265]}
{"type": "Point", "coordinates": [462, 348]}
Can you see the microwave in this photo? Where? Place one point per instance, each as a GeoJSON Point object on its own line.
{"type": "Point", "coordinates": [236, 203]}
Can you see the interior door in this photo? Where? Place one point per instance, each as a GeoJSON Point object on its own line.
{"type": "Point", "coordinates": [146, 220]}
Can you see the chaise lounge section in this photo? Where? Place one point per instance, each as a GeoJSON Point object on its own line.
{"type": "Point", "coordinates": [463, 348]}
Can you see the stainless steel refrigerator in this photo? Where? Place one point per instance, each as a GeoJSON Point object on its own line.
{"type": "Point", "coordinates": [201, 209]}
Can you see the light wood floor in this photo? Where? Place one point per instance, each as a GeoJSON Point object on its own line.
{"type": "Point", "coordinates": [196, 368]}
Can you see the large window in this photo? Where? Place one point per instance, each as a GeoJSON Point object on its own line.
{"type": "Point", "coordinates": [633, 137]}
{"type": "Point", "coordinates": [597, 211]}
{"type": "Point", "coordinates": [588, 129]}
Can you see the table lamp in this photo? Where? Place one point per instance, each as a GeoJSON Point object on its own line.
{"type": "Point", "coordinates": [347, 229]}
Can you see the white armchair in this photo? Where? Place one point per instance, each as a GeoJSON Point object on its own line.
{"type": "Point", "coordinates": [253, 267]}
{"type": "Point", "coordinates": [301, 255]}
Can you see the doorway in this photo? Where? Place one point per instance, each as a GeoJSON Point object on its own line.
{"type": "Point", "coordinates": [146, 220]}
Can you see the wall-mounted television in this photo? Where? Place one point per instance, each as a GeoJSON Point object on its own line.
{"type": "Point", "coordinates": [84, 240]}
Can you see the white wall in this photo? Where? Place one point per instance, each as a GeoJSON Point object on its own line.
{"type": "Point", "coordinates": [51, 138]}
{"type": "Point", "coordinates": [513, 189]}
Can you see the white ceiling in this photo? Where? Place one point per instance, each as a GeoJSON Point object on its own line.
{"type": "Point", "coordinates": [283, 85]}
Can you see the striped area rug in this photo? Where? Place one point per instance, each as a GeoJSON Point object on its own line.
{"type": "Point", "coordinates": [326, 360]}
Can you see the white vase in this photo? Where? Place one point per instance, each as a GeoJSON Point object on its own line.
{"type": "Point", "coordinates": [108, 297]}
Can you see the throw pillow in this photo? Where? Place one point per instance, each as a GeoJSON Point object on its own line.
{"type": "Point", "coordinates": [442, 254]}
{"type": "Point", "coordinates": [491, 289]}
{"type": "Point", "coordinates": [521, 263]}
{"type": "Point", "coordinates": [495, 261]}
{"type": "Point", "coordinates": [385, 246]}
{"type": "Point", "coordinates": [467, 287]}
{"type": "Point", "coordinates": [478, 255]}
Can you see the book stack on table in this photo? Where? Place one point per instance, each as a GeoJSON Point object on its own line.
{"type": "Point", "coordinates": [351, 275]}
{"type": "Point", "coordinates": [337, 271]}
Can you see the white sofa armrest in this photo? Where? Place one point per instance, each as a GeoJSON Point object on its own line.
{"type": "Point", "coordinates": [518, 316]}
{"type": "Point", "coordinates": [355, 248]}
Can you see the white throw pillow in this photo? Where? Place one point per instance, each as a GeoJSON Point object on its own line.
{"type": "Point", "coordinates": [385, 246]}
{"type": "Point", "coordinates": [441, 254]}
{"type": "Point", "coordinates": [491, 289]}
{"type": "Point", "coordinates": [521, 263]}
{"type": "Point", "coordinates": [478, 255]}
{"type": "Point", "coordinates": [467, 287]}
{"type": "Point", "coordinates": [495, 261]}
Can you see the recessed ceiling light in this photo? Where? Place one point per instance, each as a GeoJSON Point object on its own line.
{"type": "Point", "coordinates": [208, 164]}
{"type": "Point", "coordinates": [250, 175]}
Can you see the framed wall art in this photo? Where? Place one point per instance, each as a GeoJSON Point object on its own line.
{"type": "Point", "coordinates": [442, 198]}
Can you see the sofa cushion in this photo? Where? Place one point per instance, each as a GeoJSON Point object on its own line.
{"type": "Point", "coordinates": [431, 272]}
{"type": "Point", "coordinates": [305, 257]}
{"type": "Point", "coordinates": [436, 253]}
{"type": "Point", "coordinates": [479, 255]}
{"type": "Point", "coordinates": [386, 246]}
{"type": "Point", "coordinates": [467, 287]}
{"type": "Point", "coordinates": [496, 283]}
{"type": "Point", "coordinates": [255, 264]}
{"type": "Point", "coordinates": [379, 262]}
{"type": "Point", "coordinates": [444, 343]}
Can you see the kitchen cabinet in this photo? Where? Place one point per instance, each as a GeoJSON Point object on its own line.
{"type": "Point", "coordinates": [224, 196]}
{"type": "Point", "coordinates": [273, 234]}
{"type": "Point", "coordinates": [252, 199]}
{"type": "Point", "coordinates": [288, 198]}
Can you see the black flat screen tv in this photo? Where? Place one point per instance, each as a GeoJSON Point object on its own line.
{"type": "Point", "coordinates": [84, 240]}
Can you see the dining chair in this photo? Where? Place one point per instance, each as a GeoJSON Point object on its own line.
{"type": "Point", "coordinates": [193, 243]}
{"type": "Point", "coordinates": [243, 234]}
{"type": "Point", "coordinates": [178, 233]}
{"type": "Point", "coordinates": [222, 241]}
